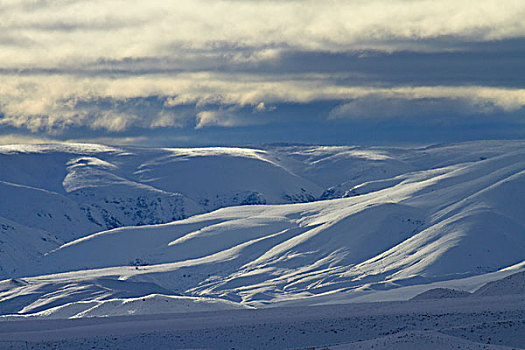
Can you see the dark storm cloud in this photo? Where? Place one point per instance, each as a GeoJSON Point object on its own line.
{"type": "Point", "coordinates": [498, 63]}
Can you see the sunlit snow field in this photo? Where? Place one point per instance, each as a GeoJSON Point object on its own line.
{"type": "Point", "coordinates": [261, 247]}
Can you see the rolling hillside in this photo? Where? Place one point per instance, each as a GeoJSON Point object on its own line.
{"type": "Point", "coordinates": [228, 227]}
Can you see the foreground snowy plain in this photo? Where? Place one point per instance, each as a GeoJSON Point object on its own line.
{"type": "Point", "coordinates": [91, 230]}
{"type": "Point", "coordinates": [464, 323]}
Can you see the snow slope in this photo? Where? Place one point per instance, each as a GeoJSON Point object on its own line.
{"type": "Point", "coordinates": [513, 284]}
{"type": "Point", "coordinates": [441, 293]}
{"type": "Point", "coordinates": [21, 245]}
{"type": "Point", "coordinates": [89, 188]}
{"type": "Point", "coordinates": [73, 190]}
{"type": "Point", "coordinates": [370, 221]}
{"type": "Point", "coordinates": [471, 323]}
{"type": "Point", "coordinates": [418, 340]}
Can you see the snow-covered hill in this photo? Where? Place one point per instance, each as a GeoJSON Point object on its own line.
{"type": "Point", "coordinates": [89, 188]}
{"type": "Point", "coordinates": [447, 324]}
{"type": "Point", "coordinates": [513, 284]}
{"type": "Point", "coordinates": [298, 224]}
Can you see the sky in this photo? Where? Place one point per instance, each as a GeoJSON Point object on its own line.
{"type": "Point", "coordinates": [241, 72]}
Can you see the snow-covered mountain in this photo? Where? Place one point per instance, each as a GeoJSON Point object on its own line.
{"type": "Point", "coordinates": [89, 226]}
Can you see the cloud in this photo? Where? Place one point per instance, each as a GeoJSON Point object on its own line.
{"type": "Point", "coordinates": [116, 66]}
{"type": "Point", "coordinates": [61, 32]}
{"type": "Point", "coordinates": [231, 116]}
{"type": "Point", "coordinates": [13, 139]}
{"type": "Point", "coordinates": [262, 107]}
{"type": "Point", "coordinates": [378, 107]}
{"type": "Point", "coordinates": [57, 103]}
{"type": "Point", "coordinates": [115, 141]}
{"type": "Point", "coordinates": [214, 118]}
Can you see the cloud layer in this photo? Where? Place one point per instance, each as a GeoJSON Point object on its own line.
{"type": "Point", "coordinates": [122, 66]}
